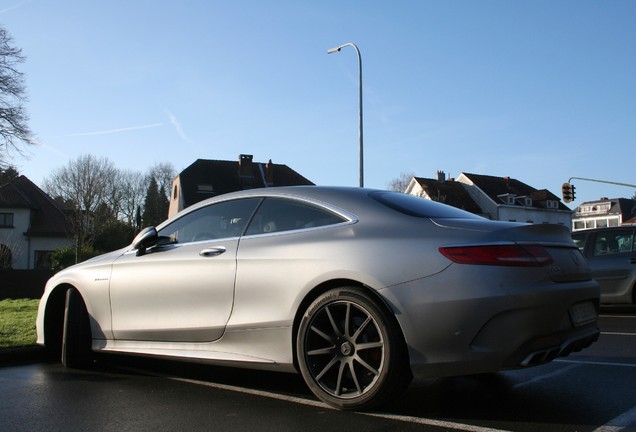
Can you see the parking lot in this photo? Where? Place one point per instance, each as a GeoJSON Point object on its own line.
{"type": "Point", "coordinates": [588, 391]}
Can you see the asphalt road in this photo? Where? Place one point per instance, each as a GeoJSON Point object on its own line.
{"type": "Point", "coordinates": [593, 390]}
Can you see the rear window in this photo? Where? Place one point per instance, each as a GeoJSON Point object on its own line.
{"type": "Point", "coordinates": [419, 207]}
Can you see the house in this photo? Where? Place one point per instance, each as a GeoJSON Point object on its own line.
{"type": "Point", "coordinates": [605, 212]}
{"type": "Point", "coordinates": [496, 198]}
{"type": "Point", "coordinates": [208, 178]}
{"type": "Point", "coordinates": [32, 226]}
{"type": "Point", "coordinates": [445, 191]}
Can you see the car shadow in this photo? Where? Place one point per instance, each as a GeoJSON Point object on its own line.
{"type": "Point", "coordinates": [501, 400]}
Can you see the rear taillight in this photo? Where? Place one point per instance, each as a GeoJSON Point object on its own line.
{"type": "Point", "coordinates": [501, 255]}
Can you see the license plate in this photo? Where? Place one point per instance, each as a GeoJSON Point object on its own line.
{"type": "Point", "coordinates": [583, 313]}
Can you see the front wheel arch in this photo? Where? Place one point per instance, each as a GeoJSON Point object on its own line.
{"type": "Point", "coordinates": [54, 321]}
{"type": "Point", "coordinates": [76, 334]}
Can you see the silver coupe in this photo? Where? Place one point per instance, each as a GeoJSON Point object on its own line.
{"type": "Point", "coordinates": [356, 289]}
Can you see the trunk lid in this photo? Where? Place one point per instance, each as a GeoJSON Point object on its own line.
{"type": "Point", "coordinates": [568, 262]}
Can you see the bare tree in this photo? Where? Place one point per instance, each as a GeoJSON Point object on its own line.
{"type": "Point", "coordinates": [400, 184]}
{"type": "Point", "coordinates": [86, 184]}
{"type": "Point", "coordinates": [14, 131]}
{"type": "Point", "coordinates": [133, 187]}
{"type": "Point", "coordinates": [163, 173]}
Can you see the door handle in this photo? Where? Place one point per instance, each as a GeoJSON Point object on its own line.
{"type": "Point", "coordinates": [212, 252]}
{"type": "Point", "coordinates": [632, 260]}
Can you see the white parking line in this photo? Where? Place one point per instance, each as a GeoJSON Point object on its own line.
{"type": "Point", "coordinates": [620, 423]}
{"type": "Point", "coordinates": [598, 363]}
{"type": "Point", "coordinates": [618, 334]}
{"type": "Point", "coordinates": [313, 403]}
{"type": "Point", "coordinates": [437, 423]}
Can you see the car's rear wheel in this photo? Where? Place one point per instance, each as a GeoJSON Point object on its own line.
{"type": "Point", "coordinates": [350, 351]}
{"type": "Point", "coordinates": [76, 336]}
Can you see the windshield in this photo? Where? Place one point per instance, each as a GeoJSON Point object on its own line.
{"type": "Point", "coordinates": [419, 207]}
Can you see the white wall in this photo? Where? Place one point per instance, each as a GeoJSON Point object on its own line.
{"type": "Point", "coordinates": [14, 237]}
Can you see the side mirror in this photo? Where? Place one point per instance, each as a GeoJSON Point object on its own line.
{"type": "Point", "coordinates": [148, 237]}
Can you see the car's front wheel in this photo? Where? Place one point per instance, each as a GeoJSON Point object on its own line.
{"type": "Point", "coordinates": [76, 336]}
{"type": "Point", "coordinates": [350, 351]}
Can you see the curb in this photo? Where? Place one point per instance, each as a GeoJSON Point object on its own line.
{"type": "Point", "coordinates": [30, 354]}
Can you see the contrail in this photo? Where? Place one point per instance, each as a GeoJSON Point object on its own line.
{"type": "Point", "coordinates": [113, 131]}
{"type": "Point", "coordinates": [14, 6]}
{"type": "Point", "coordinates": [178, 127]}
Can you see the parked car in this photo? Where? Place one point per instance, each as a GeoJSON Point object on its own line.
{"type": "Point", "coordinates": [356, 289]}
{"type": "Point", "coordinates": [611, 255]}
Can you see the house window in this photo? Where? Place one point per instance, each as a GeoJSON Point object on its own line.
{"type": "Point", "coordinates": [525, 201]}
{"type": "Point", "coordinates": [579, 225]}
{"type": "Point", "coordinates": [553, 204]}
{"type": "Point", "coordinates": [6, 220]}
{"type": "Point", "coordinates": [507, 199]}
{"type": "Point", "coordinates": [205, 188]}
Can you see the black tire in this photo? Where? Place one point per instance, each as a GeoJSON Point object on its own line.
{"type": "Point", "coordinates": [76, 336]}
{"type": "Point", "coordinates": [350, 351]}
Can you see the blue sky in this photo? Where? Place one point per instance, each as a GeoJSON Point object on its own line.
{"type": "Point", "coordinates": [536, 90]}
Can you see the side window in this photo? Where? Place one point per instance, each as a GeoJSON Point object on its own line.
{"type": "Point", "coordinates": [579, 240]}
{"type": "Point", "coordinates": [277, 214]}
{"type": "Point", "coordinates": [216, 221]}
{"type": "Point", "coordinates": [614, 242]}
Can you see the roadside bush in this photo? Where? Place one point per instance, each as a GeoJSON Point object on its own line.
{"type": "Point", "coordinates": [66, 257]}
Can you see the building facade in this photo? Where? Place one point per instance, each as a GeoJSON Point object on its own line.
{"type": "Point", "coordinates": [208, 178]}
{"type": "Point", "coordinates": [606, 212]}
{"type": "Point", "coordinates": [32, 226]}
{"type": "Point", "coordinates": [496, 198]}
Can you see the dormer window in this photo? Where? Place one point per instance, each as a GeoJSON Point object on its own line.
{"type": "Point", "coordinates": [524, 201]}
{"type": "Point", "coordinates": [507, 198]}
{"type": "Point", "coordinates": [551, 204]}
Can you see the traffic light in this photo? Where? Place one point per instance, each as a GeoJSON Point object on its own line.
{"type": "Point", "coordinates": [568, 192]}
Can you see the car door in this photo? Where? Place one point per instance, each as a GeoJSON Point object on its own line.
{"type": "Point", "coordinates": [612, 258]}
{"type": "Point", "coordinates": [181, 290]}
{"type": "Point", "coordinates": [284, 247]}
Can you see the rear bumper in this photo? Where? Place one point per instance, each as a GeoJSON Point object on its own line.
{"type": "Point", "coordinates": [458, 329]}
{"type": "Point", "coordinates": [547, 348]}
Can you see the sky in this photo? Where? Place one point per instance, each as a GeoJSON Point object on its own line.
{"type": "Point", "coordinates": [541, 91]}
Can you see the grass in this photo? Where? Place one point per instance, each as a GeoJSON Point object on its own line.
{"type": "Point", "coordinates": [17, 323]}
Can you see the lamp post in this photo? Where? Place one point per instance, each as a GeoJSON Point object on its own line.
{"type": "Point", "coordinates": [337, 49]}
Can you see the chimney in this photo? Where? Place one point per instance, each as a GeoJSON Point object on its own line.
{"type": "Point", "coordinates": [441, 176]}
{"type": "Point", "coordinates": [245, 165]}
{"type": "Point", "coordinates": [269, 173]}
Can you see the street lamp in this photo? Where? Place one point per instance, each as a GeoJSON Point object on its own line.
{"type": "Point", "coordinates": [337, 49]}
